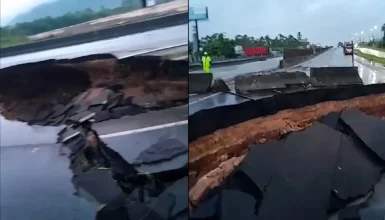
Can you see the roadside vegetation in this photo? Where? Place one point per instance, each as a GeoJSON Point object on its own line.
{"type": "Point", "coordinates": [218, 45]}
{"type": "Point", "coordinates": [369, 57]}
{"type": "Point", "coordinates": [17, 34]}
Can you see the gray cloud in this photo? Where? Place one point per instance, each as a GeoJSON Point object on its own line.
{"type": "Point", "coordinates": [321, 21]}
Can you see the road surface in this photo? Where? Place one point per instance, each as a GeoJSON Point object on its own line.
{"type": "Point", "coordinates": [334, 57]}
{"type": "Point", "coordinates": [34, 177]}
{"type": "Point", "coordinates": [157, 42]}
{"type": "Point", "coordinates": [229, 72]}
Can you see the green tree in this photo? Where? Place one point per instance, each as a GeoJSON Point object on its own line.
{"type": "Point", "coordinates": [24, 29]}
{"type": "Point", "coordinates": [218, 45]}
{"type": "Point", "coordinates": [267, 40]}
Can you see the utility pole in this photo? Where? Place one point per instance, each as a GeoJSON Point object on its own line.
{"type": "Point", "coordinates": [352, 53]}
{"type": "Point", "coordinates": [197, 33]}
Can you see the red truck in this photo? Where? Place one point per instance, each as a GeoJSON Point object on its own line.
{"type": "Point", "coordinates": [257, 51]}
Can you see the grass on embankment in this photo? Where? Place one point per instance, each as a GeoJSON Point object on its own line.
{"type": "Point", "coordinates": [12, 41]}
{"type": "Point", "coordinates": [370, 57]}
{"type": "Point", "coordinates": [374, 48]}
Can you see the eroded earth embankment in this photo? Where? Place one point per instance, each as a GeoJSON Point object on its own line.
{"type": "Point", "coordinates": [38, 93]}
{"type": "Point", "coordinates": [318, 158]}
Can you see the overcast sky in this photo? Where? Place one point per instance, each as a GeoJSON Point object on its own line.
{"type": "Point", "coordinates": [11, 8]}
{"type": "Point", "coordinates": [321, 21]}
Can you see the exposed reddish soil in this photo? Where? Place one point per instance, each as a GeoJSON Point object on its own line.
{"type": "Point", "coordinates": [146, 80]}
{"type": "Point", "coordinates": [213, 157]}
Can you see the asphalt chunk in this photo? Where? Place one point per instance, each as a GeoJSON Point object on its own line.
{"type": "Point", "coordinates": [97, 186]}
{"type": "Point", "coordinates": [126, 110]}
{"type": "Point", "coordinates": [102, 97]}
{"type": "Point", "coordinates": [102, 116]}
{"type": "Point", "coordinates": [357, 172]}
{"type": "Point", "coordinates": [207, 209]}
{"type": "Point", "coordinates": [258, 164]}
{"type": "Point", "coordinates": [301, 184]}
{"type": "Point", "coordinates": [60, 110]}
{"type": "Point", "coordinates": [237, 205]}
{"type": "Point", "coordinates": [375, 209]}
{"type": "Point", "coordinates": [81, 117]}
{"type": "Point", "coordinates": [114, 100]}
{"type": "Point", "coordinates": [350, 213]}
{"type": "Point", "coordinates": [56, 121]}
{"type": "Point", "coordinates": [368, 129]}
{"type": "Point", "coordinates": [174, 200]}
{"type": "Point", "coordinates": [332, 120]}
{"type": "Point", "coordinates": [69, 133]}
{"type": "Point", "coordinates": [96, 108]}
{"type": "Point", "coordinates": [164, 149]}
{"type": "Point", "coordinates": [138, 210]}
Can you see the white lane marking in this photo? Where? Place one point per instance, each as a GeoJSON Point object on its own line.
{"type": "Point", "coordinates": [34, 150]}
{"type": "Point", "coordinates": [204, 98]}
{"type": "Point", "coordinates": [144, 52]}
{"type": "Point", "coordinates": [156, 127]}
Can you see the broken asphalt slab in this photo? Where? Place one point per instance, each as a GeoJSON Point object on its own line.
{"type": "Point", "coordinates": [368, 129]}
{"type": "Point", "coordinates": [104, 192]}
{"type": "Point", "coordinates": [357, 170]}
{"type": "Point", "coordinates": [132, 145]}
{"type": "Point", "coordinates": [280, 175]}
{"type": "Point", "coordinates": [306, 169]}
{"type": "Point", "coordinates": [164, 149]}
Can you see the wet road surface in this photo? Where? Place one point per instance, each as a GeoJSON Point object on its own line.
{"type": "Point", "coordinates": [131, 45]}
{"type": "Point", "coordinates": [333, 58]}
{"type": "Point", "coordinates": [33, 180]}
{"type": "Point", "coordinates": [35, 177]}
{"type": "Point", "coordinates": [13, 133]}
{"type": "Point", "coordinates": [229, 72]}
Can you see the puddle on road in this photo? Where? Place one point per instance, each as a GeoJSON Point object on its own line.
{"type": "Point", "coordinates": [369, 76]}
{"type": "Point", "coordinates": [14, 133]}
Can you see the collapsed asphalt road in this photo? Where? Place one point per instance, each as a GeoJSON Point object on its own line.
{"type": "Point", "coordinates": [51, 92]}
{"type": "Point", "coordinates": [130, 125]}
{"type": "Point", "coordinates": [305, 176]}
{"type": "Point", "coordinates": [40, 177]}
{"type": "Point", "coordinates": [272, 154]}
{"type": "Point", "coordinates": [332, 58]}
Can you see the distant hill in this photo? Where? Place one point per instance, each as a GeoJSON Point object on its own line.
{"type": "Point", "coordinates": [61, 7]}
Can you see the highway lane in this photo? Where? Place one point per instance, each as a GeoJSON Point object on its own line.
{"type": "Point", "coordinates": [333, 58]}
{"type": "Point", "coordinates": [369, 73]}
{"type": "Point", "coordinates": [151, 42]}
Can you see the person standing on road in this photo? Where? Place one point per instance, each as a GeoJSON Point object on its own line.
{"type": "Point", "coordinates": [206, 62]}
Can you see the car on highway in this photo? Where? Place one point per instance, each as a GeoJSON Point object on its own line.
{"type": "Point", "coordinates": [348, 49]}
